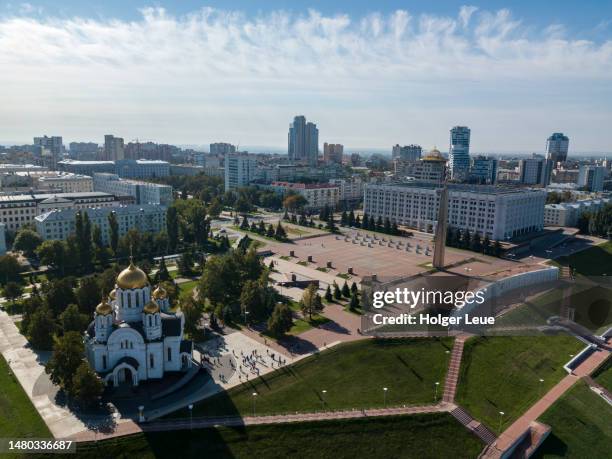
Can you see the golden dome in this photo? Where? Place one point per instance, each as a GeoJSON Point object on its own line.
{"type": "Point", "coordinates": [104, 309]}
{"type": "Point", "coordinates": [151, 308]}
{"type": "Point", "coordinates": [113, 294]}
{"type": "Point", "coordinates": [160, 293]}
{"type": "Point", "coordinates": [132, 277]}
{"type": "Point", "coordinates": [434, 155]}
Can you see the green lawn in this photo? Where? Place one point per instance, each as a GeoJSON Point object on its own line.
{"type": "Point", "coordinates": [594, 261]}
{"type": "Point", "coordinates": [187, 287]}
{"type": "Point", "coordinates": [421, 436]}
{"type": "Point", "coordinates": [503, 374]}
{"type": "Point", "coordinates": [19, 418]}
{"type": "Point", "coordinates": [353, 374]}
{"type": "Point", "coordinates": [302, 325]}
{"type": "Point", "coordinates": [581, 426]}
{"type": "Point", "coordinates": [603, 375]}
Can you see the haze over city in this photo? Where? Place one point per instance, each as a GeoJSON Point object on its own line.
{"type": "Point", "coordinates": [406, 73]}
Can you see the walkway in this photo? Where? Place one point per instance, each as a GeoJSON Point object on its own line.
{"type": "Point", "coordinates": [232, 421]}
{"type": "Point", "coordinates": [452, 375]}
{"type": "Point", "coordinates": [513, 433]}
{"type": "Point", "coordinates": [28, 367]}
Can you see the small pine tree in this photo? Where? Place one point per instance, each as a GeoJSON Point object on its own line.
{"type": "Point", "coordinates": [328, 294]}
{"type": "Point", "coordinates": [354, 303]}
{"type": "Point", "coordinates": [270, 232]}
{"type": "Point", "coordinates": [343, 219]}
{"type": "Point", "coordinates": [337, 292]}
{"type": "Point", "coordinates": [351, 218]}
{"type": "Point", "coordinates": [346, 291]}
{"type": "Point", "coordinates": [245, 223]}
{"type": "Point", "coordinates": [354, 288]}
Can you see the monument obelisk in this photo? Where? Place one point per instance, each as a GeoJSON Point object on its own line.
{"type": "Point", "coordinates": [441, 227]}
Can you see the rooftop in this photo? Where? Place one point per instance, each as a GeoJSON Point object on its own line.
{"type": "Point", "coordinates": [461, 188]}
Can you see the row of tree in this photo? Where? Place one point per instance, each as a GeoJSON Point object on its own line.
{"type": "Point", "coordinates": [472, 241]}
{"type": "Point", "coordinates": [369, 223]}
{"type": "Point", "coordinates": [278, 233]}
{"type": "Point", "coordinates": [597, 223]}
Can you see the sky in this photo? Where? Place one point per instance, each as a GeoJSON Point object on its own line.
{"type": "Point", "coordinates": [369, 74]}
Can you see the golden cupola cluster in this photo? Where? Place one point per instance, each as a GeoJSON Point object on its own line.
{"type": "Point", "coordinates": [104, 309]}
{"type": "Point", "coordinates": [132, 277]}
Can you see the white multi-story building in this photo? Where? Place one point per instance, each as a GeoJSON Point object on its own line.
{"type": "Point", "coordinates": [60, 223]}
{"type": "Point", "coordinates": [568, 213]}
{"type": "Point", "coordinates": [142, 192]}
{"type": "Point", "coordinates": [459, 153]}
{"type": "Point", "coordinates": [351, 189]}
{"type": "Point", "coordinates": [66, 182]}
{"type": "Point", "coordinates": [318, 195]}
{"type": "Point", "coordinates": [591, 177]}
{"type": "Point", "coordinates": [239, 170]}
{"type": "Point", "coordinates": [500, 213]}
{"type": "Point", "coordinates": [54, 146]}
{"type": "Point", "coordinates": [19, 210]}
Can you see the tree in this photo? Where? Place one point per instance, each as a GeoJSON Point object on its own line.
{"type": "Point", "coordinates": [261, 227]}
{"type": "Point", "coordinates": [486, 245]}
{"type": "Point", "coordinates": [162, 272]}
{"type": "Point", "coordinates": [88, 294]}
{"type": "Point", "coordinates": [331, 225]}
{"type": "Point", "coordinates": [67, 357]}
{"type": "Point", "coordinates": [343, 219]}
{"type": "Point", "coordinates": [252, 304]}
{"type": "Point", "coordinates": [337, 292]}
{"type": "Point", "coordinates": [270, 231]}
{"type": "Point", "coordinates": [280, 233]}
{"type": "Point", "coordinates": [41, 328]}
{"type": "Point", "coordinates": [100, 252]}
{"type": "Point", "coordinates": [59, 293]}
{"type": "Point", "coordinates": [294, 202]}
{"type": "Point", "coordinates": [311, 301]}
{"type": "Point", "coordinates": [497, 249]}
{"type": "Point", "coordinates": [87, 387]}
{"type": "Point", "coordinates": [328, 294]}
{"type": "Point", "coordinates": [351, 218]}
{"type": "Point", "coordinates": [245, 224]}
{"type": "Point", "coordinates": [113, 228]}
{"type": "Point", "coordinates": [215, 208]}
{"type": "Point", "coordinates": [387, 226]}
{"type": "Point", "coordinates": [83, 240]}
{"type": "Point", "coordinates": [9, 269]}
{"type": "Point", "coordinates": [357, 222]}
{"type": "Point", "coordinates": [12, 291]}
{"type": "Point", "coordinates": [72, 319]}
{"type": "Point", "coordinates": [281, 320]}
{"type": "Point", "coordinates": [53, 253]}
{"type": "Point", "coordinates": [186, 263]}
{"type": "Point", "coordinates": [354, 288]}
{"type": "Point", "coordinates": [354, 303]}
{"type": "Point", "coordinates": [346, 292]}
{"type": "Point", "coordinates": [192, 312]}
{"type": "Point", "coordinates": [27, 241]}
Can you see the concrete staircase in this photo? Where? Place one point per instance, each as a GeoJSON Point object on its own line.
{"type": "Point", "coordinates": [479, 429]}
{"type": "Point", "coordinates": [452, 375]}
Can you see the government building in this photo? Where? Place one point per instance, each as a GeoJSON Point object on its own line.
{"type": "Point", "coordinates": [496, 212]}
{"type": "Point", "coordinates": [134, 337]}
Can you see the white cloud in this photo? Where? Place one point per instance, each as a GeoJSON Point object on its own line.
{"type": "Point", "coordinates": [217, 65]}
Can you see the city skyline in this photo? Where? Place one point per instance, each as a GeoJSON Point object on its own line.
{"type": "Point", "coordinates": [370, 79]}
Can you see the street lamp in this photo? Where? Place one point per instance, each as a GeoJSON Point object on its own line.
{"type": "Point", "coordinates": [541, 386]}
{"type": "Point", "coordinates": [501, 415]}
{"type": "Point", "coordinates": [254, 397]}
{"type": "Point", "coordinates": [323, 392]}
{"type": "Point", "coordinates": [385, 392]}
{"type": "Point", "coordinates": [190, 416]}
{"type": "Point", "coordinates": [436, 390]}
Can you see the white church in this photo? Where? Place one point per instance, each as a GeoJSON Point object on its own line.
{"type": "Point", "coordinates": [134, 336]}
